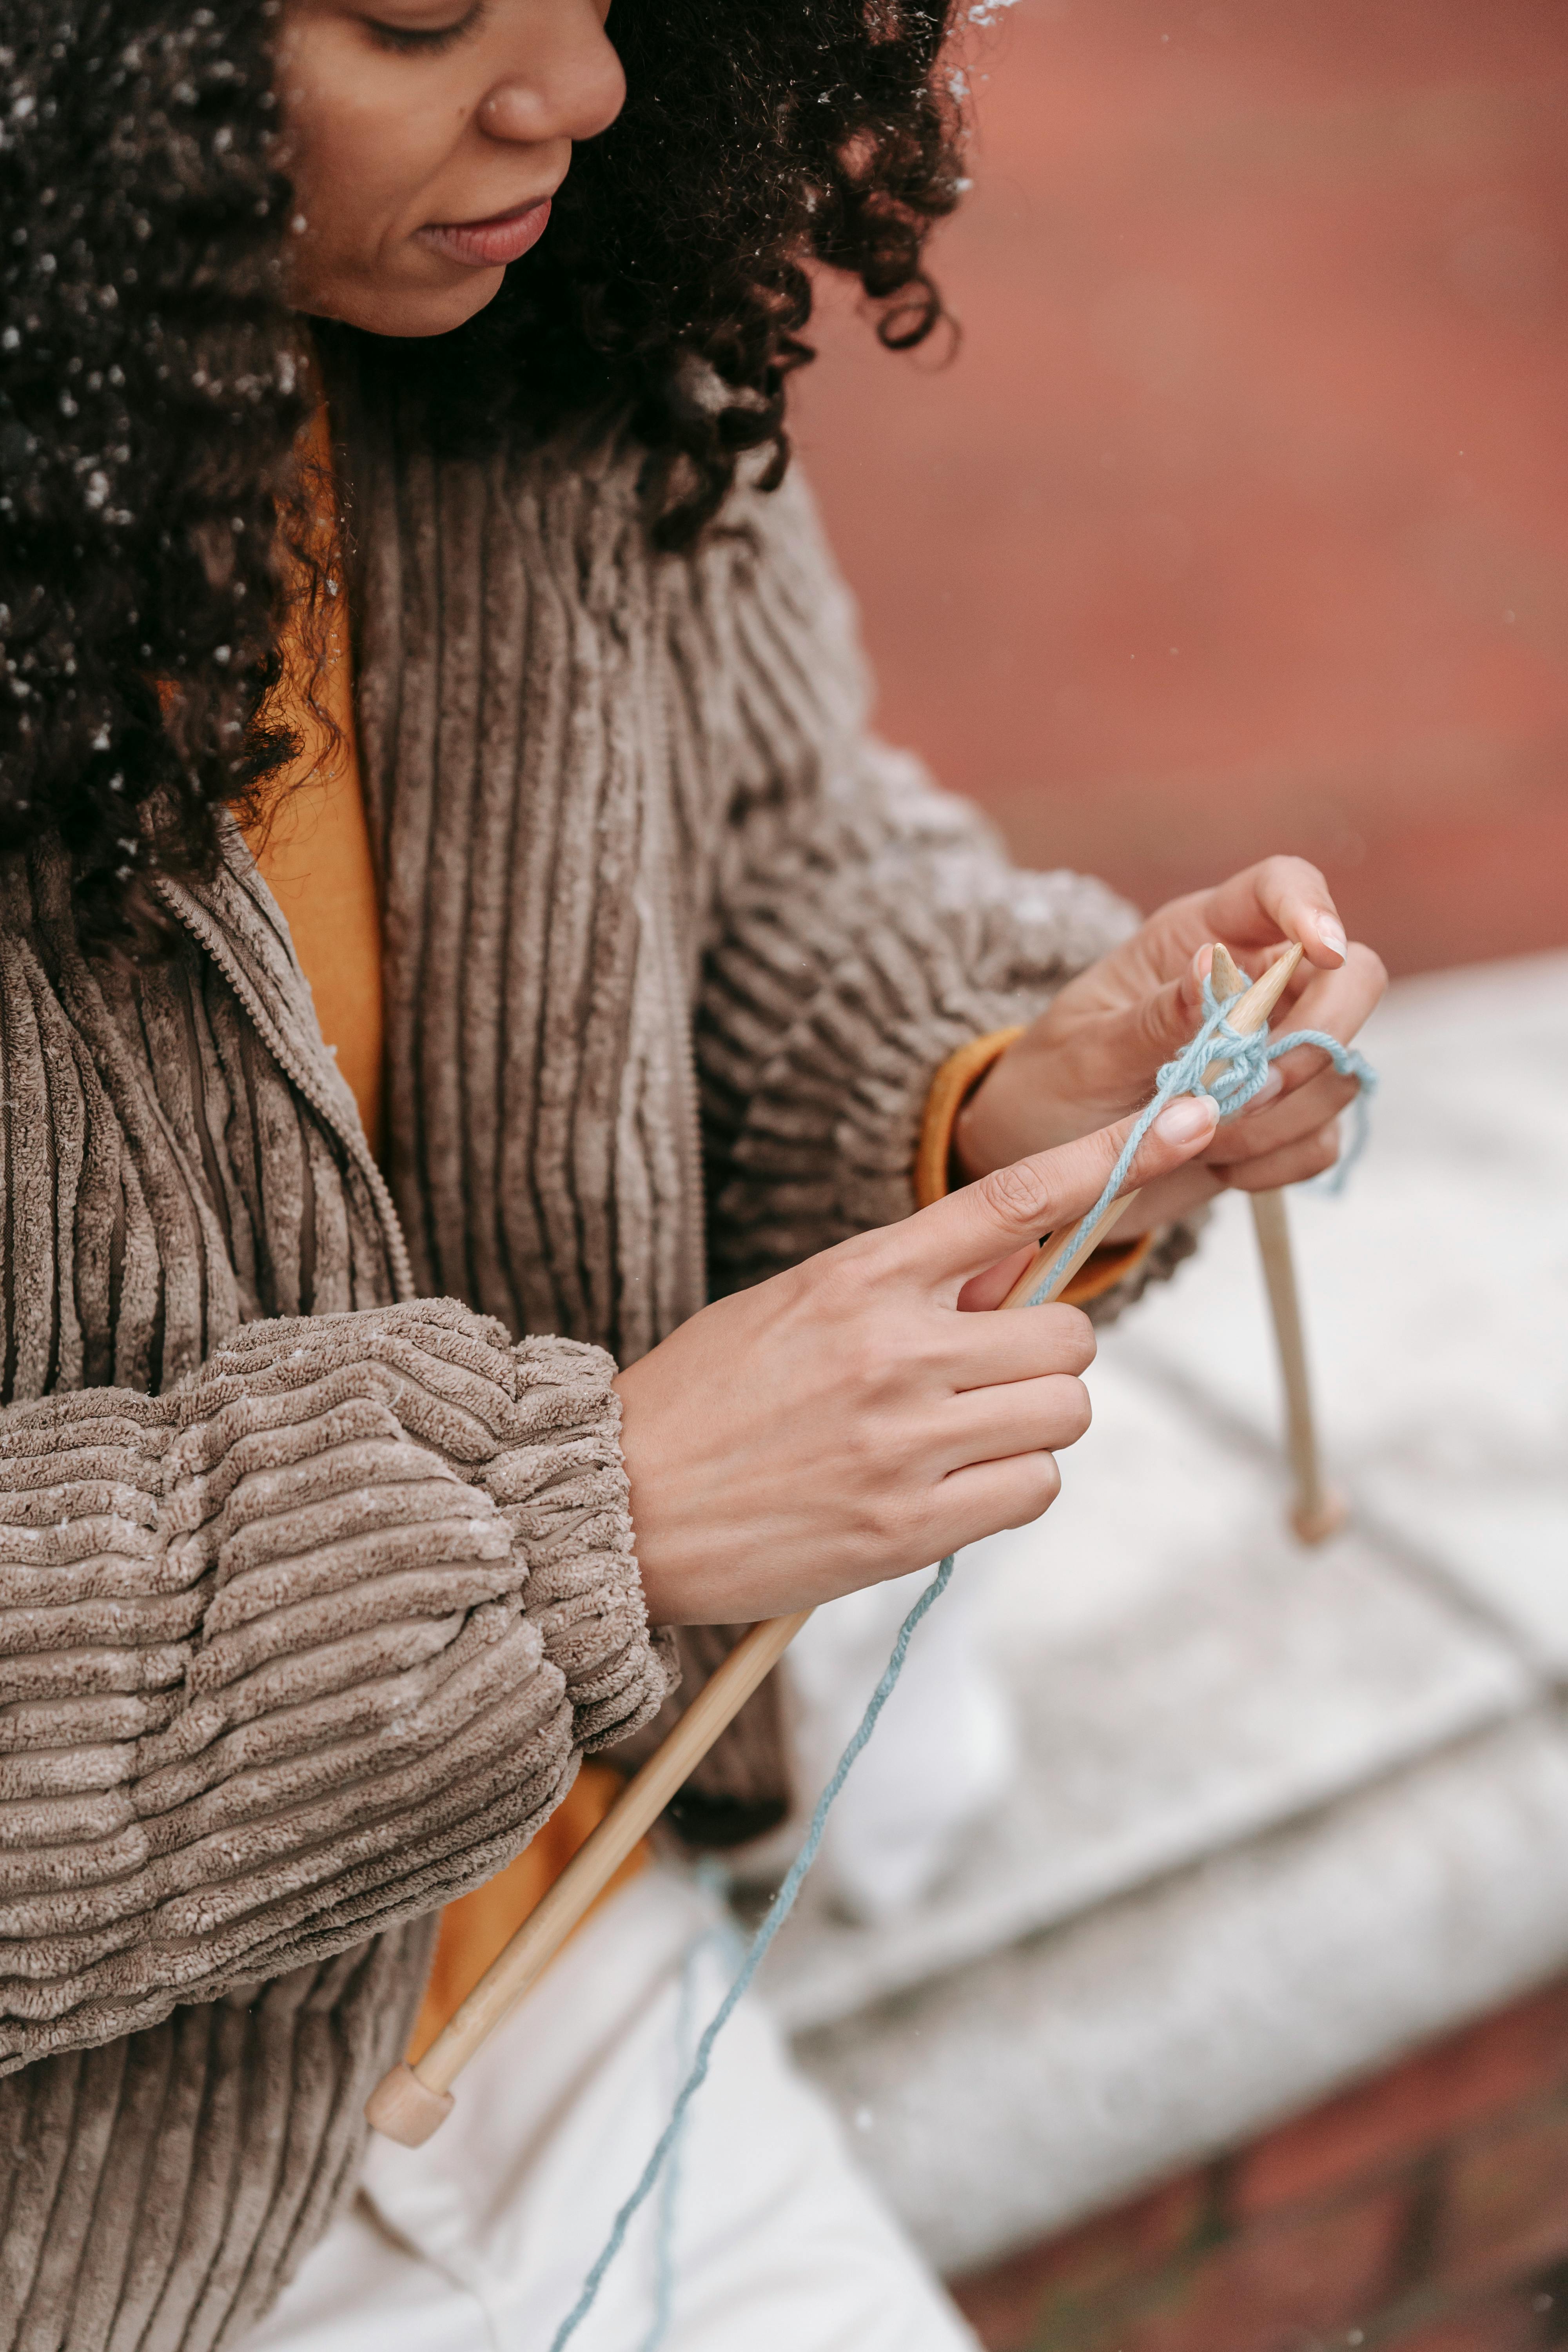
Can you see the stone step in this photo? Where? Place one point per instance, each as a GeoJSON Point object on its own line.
{"type": "Point", "coordinates": [1242, 1693]}
{"type": "Point", "coordinates": [1276, 1815]}
{"type": "Point", "coordinates": [1004, 2101]}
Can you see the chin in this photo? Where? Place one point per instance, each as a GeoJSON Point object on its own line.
{"type": "Point", "coordinates": [443, 316]}
{"type": "Point", "coordinates": [405, 313]}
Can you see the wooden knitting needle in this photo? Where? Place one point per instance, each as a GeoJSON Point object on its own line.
{"type": "Point", "coordinates": [1317, 1510]}
{"type": "Point", "coordinates": [1250, 1015]}
{"type": "Point", "coordinates": [410, 2102]}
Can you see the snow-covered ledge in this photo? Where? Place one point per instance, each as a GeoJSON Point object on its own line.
{"type": "Point", "coordinates": [1275, 1814]}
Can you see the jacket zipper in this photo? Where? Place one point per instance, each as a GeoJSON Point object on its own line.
{"type": "Point", "coordinates": [682, 1010]}
{"type": "Point", "coordinates": [207, 934]}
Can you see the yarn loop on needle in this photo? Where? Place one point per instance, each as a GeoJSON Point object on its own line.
{"type": "Point", "coordinates": [1247, 1058]}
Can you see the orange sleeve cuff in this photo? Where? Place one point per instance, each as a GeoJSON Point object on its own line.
{"type": "Point", "coordinates": [951, 1088]}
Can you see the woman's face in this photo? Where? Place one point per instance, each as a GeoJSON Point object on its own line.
{"type": "Point", "coordinates": [426, 139]}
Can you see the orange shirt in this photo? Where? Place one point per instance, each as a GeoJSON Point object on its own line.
{"type": "Point", "coordinates": [477, 1926]}
{"type": "Point", "coordinates": [312, 845]}
{"type": "Point", "coordinates": [313, 842]}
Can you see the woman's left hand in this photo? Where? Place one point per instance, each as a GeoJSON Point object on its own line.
{"type": "Point", "coordinates": [1094, 1053]}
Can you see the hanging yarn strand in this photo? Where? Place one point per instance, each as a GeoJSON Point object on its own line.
{"type": "Point", "coordinates": [1227, 1061]}
{"type": "Point", "coordinates": [778, 1912]}
{"type": "Point", "coordinates": [723, 1934]}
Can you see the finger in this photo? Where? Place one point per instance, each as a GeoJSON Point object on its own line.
{"type": "Point", "coordinates": [1339, 1003]}
{"type": "Point", "coordinates": [1172, 1198]}
{"type": "Point", "coordinates": [1282, 899]}
{"type": "Point", "coordinates": [1291, 1118]}
{"type": "Point", "coordinates": [969, 1505]}
{"type": "Point", "coordinates": [1137, 1038]}
{"type": "Point", "coordinates": [968, 1231]}
{"type": "Point", "coordinates": [987, 1290]}
{"type": "Point", "coordinates": [1029, 1345]}
{"type": "Point", "coordinates": [1024, 1417]}
{"type": "Point", "coordinates": [1293, 1164]}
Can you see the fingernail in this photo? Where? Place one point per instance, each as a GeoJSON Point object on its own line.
{"type": "Point", "coordinates": [1333, 936]}
{"type": "Point", "coordinates": [1272, 1085]}
{"type": "Point", "coordinates": [1188, 1116]}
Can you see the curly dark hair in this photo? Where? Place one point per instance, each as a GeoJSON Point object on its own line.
{"type": "Point", "coordinates": [153, 382]}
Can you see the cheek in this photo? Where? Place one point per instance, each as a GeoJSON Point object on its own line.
{"type": "Point", "coordinates": [359, 150]}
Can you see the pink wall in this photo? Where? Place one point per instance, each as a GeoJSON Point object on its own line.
{"type": "Point", "coordinates": [1241, 519]}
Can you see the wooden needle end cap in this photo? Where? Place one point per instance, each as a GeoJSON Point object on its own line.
{"type": "Point", "coordinates": [1325, 1518]}
{"type": "Point", "coordinates": [403, 2109]}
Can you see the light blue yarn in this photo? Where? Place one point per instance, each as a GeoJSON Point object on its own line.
{"type": "Point", "coordinates": [1247, 1061]}
{"type": "Point", "coordinates": [722, 1936]}
{"type": "Point", "coordinates": [664, 2239]}
{"type": "Point", "coordinates": [778, 1912]}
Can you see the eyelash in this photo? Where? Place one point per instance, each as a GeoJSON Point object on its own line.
{"type": "Point", "coordinates": [406, 42]}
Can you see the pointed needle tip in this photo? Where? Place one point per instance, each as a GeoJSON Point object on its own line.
{"type": "Point", "coordinates": [1264, 994]}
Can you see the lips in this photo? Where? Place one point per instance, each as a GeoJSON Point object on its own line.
{"type": "Point", "coordinates": [489, 243]}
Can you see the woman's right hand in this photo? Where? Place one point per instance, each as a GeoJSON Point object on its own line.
{"type": "Point", "coordinates": [847, 1421]}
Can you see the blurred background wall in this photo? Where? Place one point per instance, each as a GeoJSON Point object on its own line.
{"type": "Point", "coordinates": [1239, 522]}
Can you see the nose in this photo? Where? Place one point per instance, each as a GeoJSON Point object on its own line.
{"type": "Point", "coordinates": [571, 87]}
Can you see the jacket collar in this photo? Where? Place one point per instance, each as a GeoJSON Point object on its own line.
{"type": "Point", "coordinates": [234, 917]}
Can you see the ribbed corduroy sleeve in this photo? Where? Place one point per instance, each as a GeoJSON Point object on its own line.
{"type": "Point", "coordinates": [303, 1647]}
{"type": "Point", "coordinates": [869, 925]}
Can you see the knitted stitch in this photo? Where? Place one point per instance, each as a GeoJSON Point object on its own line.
{"type": "Point", "coordinates": [1246, 1058]}
{"type": "Point", "coordinates": [778, 1912]}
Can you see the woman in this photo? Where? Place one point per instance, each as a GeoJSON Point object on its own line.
{"type": "Point", "coordinates": [559, 880]}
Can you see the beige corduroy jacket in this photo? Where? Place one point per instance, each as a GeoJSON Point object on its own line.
{"type": "Point", "coordinates": [316, 1566]}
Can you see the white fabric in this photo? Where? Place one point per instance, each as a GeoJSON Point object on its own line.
{"type": "Point", "coordinates": [480, 2240]}
{"type": "Point", "coordinates": [946, 1746]}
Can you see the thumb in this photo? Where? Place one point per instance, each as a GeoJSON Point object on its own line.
{"type": "Point", "coordinates": [1139, 1038]}
{"type": "Point", "coordinates": [972, 1229]}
